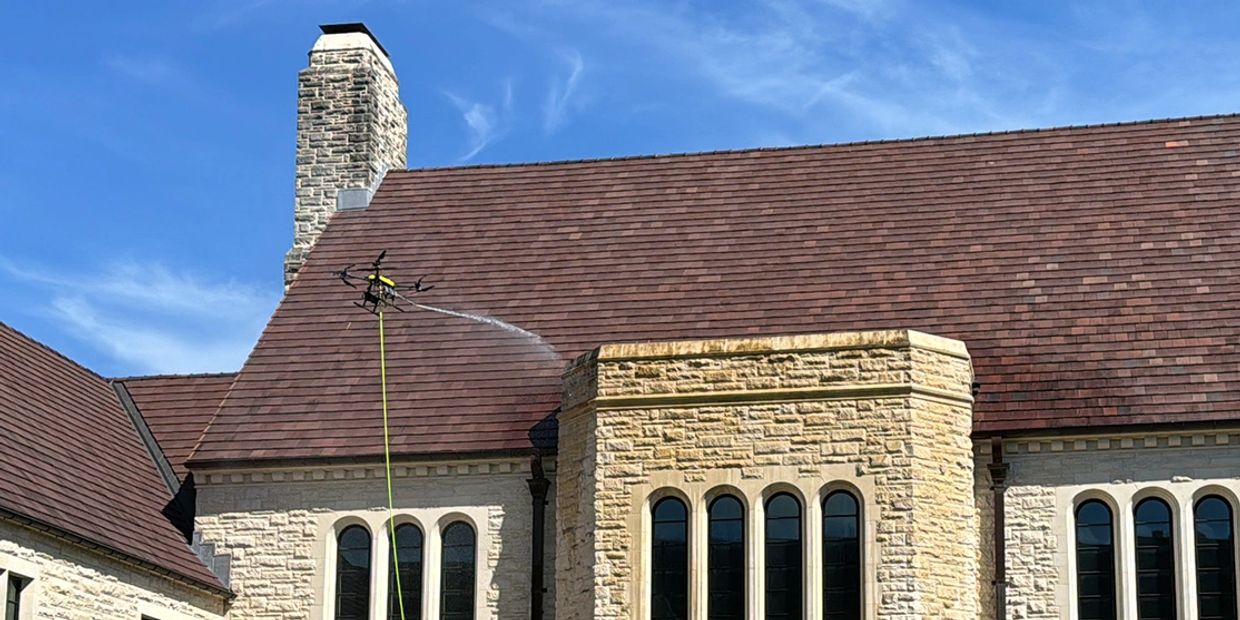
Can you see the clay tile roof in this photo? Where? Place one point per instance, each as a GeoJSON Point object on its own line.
{"type": "Point", "coordinates": [177, 409]}
{"type": "Point", "coordinates": [72, 461]}
{"type": "Point", "coordinates": [1094, 273]}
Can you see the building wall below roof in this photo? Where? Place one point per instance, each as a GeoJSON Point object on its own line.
{"type": "Point", "coordinates": [886, 415]}
{"type": "Point", "coordinates": [279, 529]}
{"type": "Point", "coordinates": [1049, 477]}
{"type": "Point", "coordinates": [69, 581]}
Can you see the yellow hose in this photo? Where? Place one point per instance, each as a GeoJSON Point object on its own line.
{"type": "Point", "coordinates": [387, 463]}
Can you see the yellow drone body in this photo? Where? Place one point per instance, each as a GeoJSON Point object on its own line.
{"type": "Point", "coordinates": [384, 280]}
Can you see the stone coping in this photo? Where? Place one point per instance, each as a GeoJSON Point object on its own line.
{"type": "Point", "coordinates": [725, 347]}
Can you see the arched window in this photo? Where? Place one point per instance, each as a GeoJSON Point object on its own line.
{"type": "Point", "coordinates": [1216, 559]}
{"type": "Point", "coordinates": [841, 557]}
{"type": "Point", "coordinates": [353, 573]}
{"type": "Point", "coordinates": [669, 560]}
{"type": "Point", "coordinates": [1095, 562]}
{"type": "Point", "coordinates": [726, 560]}
{"type": "Point", "coordinates": [1155, 560]}
{"type": "Point", "coordinates": [783, 558]}
{"type": "Point", "coordinates": [456, 601]}
{"type": "Point", "coordinates": [408, 562]}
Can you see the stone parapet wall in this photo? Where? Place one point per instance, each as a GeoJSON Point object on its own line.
{"type": "Point", "coordinates": [885, 413]}
{"type": "Point", "coordinates": [70, 581]}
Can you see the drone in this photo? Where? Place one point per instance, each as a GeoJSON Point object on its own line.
{"type": "Point", "coordinates": [381, 291]}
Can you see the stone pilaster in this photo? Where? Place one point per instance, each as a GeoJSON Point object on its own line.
{"type": "Point", "coordinates": [351, 129]}
{"type": "Point", "coordinates": [886, 413]}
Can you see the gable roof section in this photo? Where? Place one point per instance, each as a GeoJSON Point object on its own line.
{"type": "Point", "coordinates": [1092, 271]}
{"type": "Point", "coordinates": [71, 460]}
{"type": "Point", "coordinates": [177, 409]}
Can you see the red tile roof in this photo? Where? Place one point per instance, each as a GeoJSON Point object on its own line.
{"type": "Point", "coordinates": [71, 460]}
{"type": "Point", "coordinates": [1094, 273]}
{"type": "Point", "coordinates": [177, 409]}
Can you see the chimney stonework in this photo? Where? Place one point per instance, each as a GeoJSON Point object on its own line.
{"type": "Point", "coordinates": [351, 129]}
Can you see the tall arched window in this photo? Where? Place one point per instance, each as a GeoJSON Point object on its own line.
{"type": "Point", "coordinates": [1095, 561]}
{"type": "Point", "coordinates": [1216, 559]}
{"type": "Point", "coordinates": [726, 560]}
{"type": "Point", "coordinates": [783, 558]}
{"type": "Point", "coordinates": [669, 560]}
{"type": "Point", "coordinates": [353, 573]}
{"type": "Point", "coordinates": [408, 562]}
{"type": "Point", "coordinates": [456, 600]}
{"type": "Point", "coordinates": [841, 557]}
{"type": "Point", "coordinates": [1155, 560]}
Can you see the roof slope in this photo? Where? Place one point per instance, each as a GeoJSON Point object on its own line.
{"type": "Point", "coordinates": [177, 409]}
{"type": "Point", "coordinates": [71, 459]}
{"type": "Point", "coordinates": [1094, 273]}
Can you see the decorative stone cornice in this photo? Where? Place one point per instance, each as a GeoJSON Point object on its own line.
{"type": "Point", "coordinates": [804, 343]}
{"type": "Point", "coordinates": [331, 473]}
{"type": "Point", "coordinates": [791, 395]}
{"type": "Point", "coordinates": [1118, 441]}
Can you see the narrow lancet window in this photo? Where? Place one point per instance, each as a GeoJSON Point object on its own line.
{"type": "Point", "coordinates": [669, 560]}
{"type": "Point", "coordinates": [457, 572]}
{"type": "Point", "coordinates": [1216, 559]}
{"type": "Point", "coordinates": [784, 566]}
{"type": "Point", "coordinates": [841, 557]}
{"type": "Point", "coordinates": [353, 573]}
{"type": "Point", "coordinates": [1155, 560]}
{"type": "Point", "coordinates": [1095, 561]}
{"type": "Point", "coordinates": [726, 560]}
{"type": "Point", "coordinates": [408, 562]}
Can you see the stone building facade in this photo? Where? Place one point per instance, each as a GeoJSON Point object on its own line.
{"type": "Point", "coordinates": [973, 338]}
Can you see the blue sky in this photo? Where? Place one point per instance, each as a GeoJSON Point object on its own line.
{"type": "Point", "coordinates": [146, 149]}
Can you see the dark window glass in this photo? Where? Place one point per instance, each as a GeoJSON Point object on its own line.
{"type": "Point", "coordinates": [457, 572]}
{"type": "Point", "coordinates": [726, 560]}
{"type": "Point", "coordinates": [13, 597]}
{"type": "Point", "coordinates": [783, 558]}
{"type": "Point", "coordinates": [1216, 559]}
{"type": "Point", "coordinates": [1155, 560]}
{"type": "Point", "coordinates": [669, 560]}
{"type": "Point", "coordinates": [353, 573]}
{"type": "Point", "coordinates": [408, 561]}
{"type": "Point", "coordinates": [1095, 562]}
{"type": "Point", "coordinates": [841, 557]}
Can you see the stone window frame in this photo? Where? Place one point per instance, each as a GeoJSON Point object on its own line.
{"type": "Point", "coordinates": [24, 569]}
{"type": "Point", "coordinates": [1122, 499]}
{"type": "Point", "coordinates": [432, 521]}
{"type": "Point", "coordinates": [753, 493]}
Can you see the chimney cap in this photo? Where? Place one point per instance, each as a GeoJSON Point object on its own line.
{"type": "Point", "coordinates": [353, 27]}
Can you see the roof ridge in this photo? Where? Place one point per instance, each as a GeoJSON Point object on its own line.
{"type": "Point", "coordinates": [796, 147]}
{"type": "Point", "coordinates": [175, 375]}
{"type": "Point", "coordinates": [54, 352]}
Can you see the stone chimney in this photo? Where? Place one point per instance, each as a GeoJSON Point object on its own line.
{"type": "Point", "coordinates": [351, 129]}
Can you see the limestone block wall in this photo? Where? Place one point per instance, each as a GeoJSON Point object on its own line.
{"type": "Point", "coordinates": [884, 413]}
{"type": "Point", "coordinates": [279, 529]}
{"type": "Point", "coordinates": [1049, 476]}
{"type": "Point", "coordinates": [351, 127]}
{"type": "Point", "coordinates": [71, 582]}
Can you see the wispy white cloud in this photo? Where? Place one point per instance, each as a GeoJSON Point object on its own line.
{"type": "Point", "coordinates": [486, 122]}
{"type": "Point", "coordinates": [559, 96]}
{"type": "Point", "coordinates": [149, 318]}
